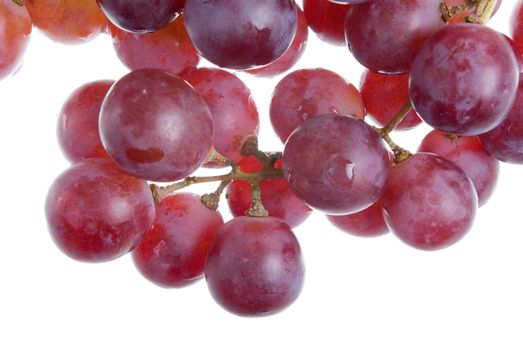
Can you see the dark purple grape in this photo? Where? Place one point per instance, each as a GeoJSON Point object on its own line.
{"type": "Point", "coordinates": [254, 266]}
{"type": "Point", "coordinates": [155, 125]}
{"type": "Point", "coordinates": [468, 153]}
{"type": "Point", "coordinates": [291, 56]}
{"type": "Point", "coordinates": [78, 133]}
{"type": "Point", "coordinates": [172, 253]}
{"type": "Point", "coordinates": [336, 163]}
{"type": "Point", "coordinates": [241, 34]}
{"type": "Point", "coordinates": [429, 202]}
{"type": "Point", "coordinates": [505, 142]}
{"type": "Point", "coordinates": [141, 16]}
{"type": "Point", "coordinates": [96, 212]}
{"type": "Point", "coordinates": [386, 35]}
{"type": "Point", "coordinates": [307, 93]}
{"type": "Point", "coordinates": [452, 61]}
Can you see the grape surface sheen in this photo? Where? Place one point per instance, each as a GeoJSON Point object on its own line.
{"type": "Point", "coordinates": [254, 266]}
{"type": "Point", "coordinates": [96, 212]}
{"type": "Point", "coordinates": [154, 125]}
{"type": "Point", "coordinates": [429, 202]}
{"type": "Point", "coordinates": [336, 163]}
{"type": "Point", "coordinates": [241, 34]}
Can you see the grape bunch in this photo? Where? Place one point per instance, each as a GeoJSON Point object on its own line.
{"type": "Point", "coordinates": [136, 142]}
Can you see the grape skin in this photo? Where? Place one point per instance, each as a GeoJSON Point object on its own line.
{"type": "Point", "coordinates": [168, 48]}
{"type": "Point", "coordinates": [172, 253]}
{"type": "Point", "coordinates": [291, 56]}
{"type": "Point", "coordinates": [385, 35]}
{"type": "Point", "coordinates": [254, 266]}
{"type": "Point", "coordinates": [429, 202]}
{"type": "Point", "coordinates": [468, 153]}
{"type": "Point", "coordinates": [327, 19]}
{"type": "Point", "coordinates": [67, 21]}
{"type": "Point", "coordinates": [155, 126]}
{"type": "Point", "coordinates": [96, 212]}
{"type": "Point", "coordinates": [78, 133]}
{"type": "Point", "coordinates": [307, 93]}
{"type": "Point", "coordinates": [385, 95]}
{"type": "Point", "coordinates": [233, 111]}
{"type": "Point", "coordinates": [241, 34]}
{"type": "Point", "coordinates": [15, 31]}
{"type": "Point", "coordinates": [366, 223]}
{"type": "Point", "coordinates": [276, 196]}
{"type": "Point", "coordinates": [336, 163]}
{"type": "Point", "coordinates": [505, 142]}
{"type": "Point", "coordinates": [141, 16]}
{"type": "Point", "coordinates": [456, 58]}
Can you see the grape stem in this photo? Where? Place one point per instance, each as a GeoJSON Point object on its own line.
{"type": "Point", "coordinates": [482, 12]}
{"type": "Point", "coordinates": [400, 154]}
{"type": "Point", "coordinates": [211, 200]}
{"type": "Point", "coordinates": [19, 2]}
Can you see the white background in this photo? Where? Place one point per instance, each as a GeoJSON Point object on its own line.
{"type": "Point", "coordinates": [359, 293]}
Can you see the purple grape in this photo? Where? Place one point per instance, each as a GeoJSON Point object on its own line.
{"type": "Point", "coordinates": [386, 35]}
{"type": "Point", "coordinates": [96, 212]}
{"type": "Point", "coordinates": [429, 202]}
{"type": "Point", "coordinates": [254, 266]}
{"type": "Point", "coordinates": [468, 153]}
{"type": "Point", "coordinates": [336, 163]}
{"type": "Point", "coordinates": [141, 16]}
{"type": "Point", "coordinates": [505, 142]}
{"type": "Point", "coordinates": [241, 34]}
{"type": "Point", "coordinates": [172, 253]}
{"type": "Point", "coordinates": [464, 80]}
{"type": "Point", "coordinates": [154, 125]}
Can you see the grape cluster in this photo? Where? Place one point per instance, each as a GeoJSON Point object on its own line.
{"type": "Point", "coordinates": [427, 61]}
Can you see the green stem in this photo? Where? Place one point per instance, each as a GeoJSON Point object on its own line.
{"type": "Point", "coordinates": [483, 11]}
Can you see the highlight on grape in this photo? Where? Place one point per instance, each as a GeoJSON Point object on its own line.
{"type": "Point", "coordinates": [134, 144]}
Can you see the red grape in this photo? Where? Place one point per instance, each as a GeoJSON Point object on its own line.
{"type": "Point", "coordinates": [327, 19]}
{"type": "Point", "coordinates": [276, 196]}
{"type": "Point", "coordinates": [453, 60]}
{"type": "Point", "coordinates": [141, 16]}
{"type": "Point", "coordinates": [233, 111]}
{"type": "Point", "coordinates": [172, 253]}
{"type": "Point", "coordinates": [336, 163]}
{"type": "Point", "coordinates": [15, 30]}
{"type": "Point", "coordinates": [96, 212]}
{"type": "Point", "coordinates": [516, 26]}
{"type": "Point", "coordinates": [429, 202]}
{"type": "Point", "coordinates": [67, 21]}
{"type": "Point", "coordinates": [307, 93]}
{"type": "Point", "coordinates": [154, 125]}
{"type": "Point", "coordinates": [78, 133]}
{"type": "Point", "coordinates": [468, 153]}
{"type": "Point", "coordinates": [169, 48]}
{"type": "Point", "coordinates": [366, 223]}
{"type": "Point", "coordinates": [385, 95]}
{"type": "Point", "coordinates": [241, 34]}
{"type": "Point", "coordinates": [291, 56]}
{"type": "Point", "coordinates": [254, 266]}
{"type": "Point", "coordinates": [386, 35]}
{"type": "Point", "coordinates": [505, 142]}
